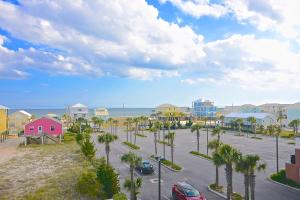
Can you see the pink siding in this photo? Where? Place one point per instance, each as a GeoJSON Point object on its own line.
{"type": "Point", "coordinates": [46, 124]}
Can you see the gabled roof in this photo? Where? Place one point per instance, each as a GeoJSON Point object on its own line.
{"type": "Point", "coordinates": [3, 107]}
{"type": "Point", "coordinates": [25, 113]}
{"type": "Point", "coordinates": [247, 115]}
{"type": "Point", "coordinates": [79, 105]}
{"type": "Point", "coordinates": [50, 118]}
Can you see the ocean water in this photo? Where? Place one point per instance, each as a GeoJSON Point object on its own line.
{"type": "Point", "coordinates": [113, 112]}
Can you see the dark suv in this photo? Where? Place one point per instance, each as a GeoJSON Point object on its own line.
{"type": "Point", "coordinates": [145, 167]}
{"type": "Point", "coordinates": [184, 191]}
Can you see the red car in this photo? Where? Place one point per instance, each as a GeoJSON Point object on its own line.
{"type": "Point", "coordinates": [184, 191]}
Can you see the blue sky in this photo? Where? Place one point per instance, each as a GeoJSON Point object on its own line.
{"type": "Point", "coordinates": [144, 53]}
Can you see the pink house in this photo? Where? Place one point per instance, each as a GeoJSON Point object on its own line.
{"type": "Point", "coordinates": [44, 125]}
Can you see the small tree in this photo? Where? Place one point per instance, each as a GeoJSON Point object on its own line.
{"type": "Point", "coordinates": [154, 131]}
{"type": "Point", "coordinates": [197, 128]}
{"type": "Point", "coordinates": [133, 160]}
{"type": "Point", "coordinates": [106, 139]}
{"type": "Point", "coordinates": [171, 137]}
{"type": "Point", "coordinates": [108, 177]}
{"type": "Point", "coordinates": [137, 184]}
{"type": "Point", "coordinates": [252, 121]}
{"type": "Point", "coordinates": [239, 123]}
{"type": "Point", "coordinates": [88, 149]}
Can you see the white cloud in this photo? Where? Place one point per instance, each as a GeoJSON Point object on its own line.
{"type": "Point", "coordinates": [252, 63]}
{"type": "Point", "coordinates": [149, 74]}
{"type": "Point", "coordinates": [126, 33]}
{"type": "Point", "coordinates": [198, 8]}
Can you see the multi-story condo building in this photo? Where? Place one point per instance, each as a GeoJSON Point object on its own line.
{"type": "Point", "coordinates": [203, 108]}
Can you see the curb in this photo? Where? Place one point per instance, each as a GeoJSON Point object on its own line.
{"type": "Point", "coordinates": [287, 186]}
{"type": "Point", "coordinates": [174, 170]}
{"type": "Point", "coordinates": [200, 157]}
{"type": "Point", "coordinates": [217, 193]}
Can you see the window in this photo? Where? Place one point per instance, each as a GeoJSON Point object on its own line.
{"type": "Point", "coordinates": [31, 128]}
{"type": "Point", "coordinates": [52, 128]}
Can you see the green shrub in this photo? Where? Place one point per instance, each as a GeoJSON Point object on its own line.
{"type": "Point", "coordinates": [88, 149]}
{"type": "Point", "coordinates": [88, 185]}
{"type": "Point", "coordinates": [281, 178]}
{"type": "Point", "coordinates": [164, 142]}
{"type": "Point", "coordinates": [169, 163]}
{"type": "Point", "coordinates": [108, 178]}
{"type": "Point", "coordinates": [141, 135]}
{"type": "Point", "coordinates": [120, 196]}
{"type": "Point", "coordinates": [286, 134]}
{"type": "Point", "coordinates": [200, 154]}
{"type": "Point", "coordinates": [68, 137]}
{"type": "Point", "coordinates": [218, 188]}
{"type": "Point", "coordinates": [237, 196]}
{"type": "Point", "coordinates": [257, 138]}
{"type": "Point", "coordinates": [133, 146]}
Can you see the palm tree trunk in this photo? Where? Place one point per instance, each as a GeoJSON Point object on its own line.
{"type": "Point", "coordinates": [132, 184]}
{"type": "Point", "coordinates": [207, 141]}
{"type": "Point", "coordinates": [198, 145]}
{"type": "Point", "coordinates": [277, 167]}
{"type": "Point", "coordinates": [107, 149]}
{"type": "Point", "coordinates": [217, 175]}
{"type": "Point", "coordinates": [164, 144]}
{"type": "Point", "coordinates": [127, 134]}
{"type": "Point", "coordinates": [246, 182]}
{"type": "Point", "coordinates": [228, 170]}
{"type": "Point", "coordinates": [172, 152]}
{"type": "Point", "coordinates": [252, 186]}
{"type": "Point", "coordinates": [254, 131]}
{"type": "Point", "coordinates": [155, 143]}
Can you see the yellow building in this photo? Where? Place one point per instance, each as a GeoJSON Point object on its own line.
{"type": "Point", "coordinates": [170, 112]}
{"type": "Point", "coordinates": [3, 119]}
{"type": "Point", "coordinates": [17, 121]}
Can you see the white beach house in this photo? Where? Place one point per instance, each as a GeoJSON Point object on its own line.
{"type": "Point", "coordinates": [78, 111]}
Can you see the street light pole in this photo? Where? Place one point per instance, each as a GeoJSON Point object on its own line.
{"type": "Point", "coordinates": [159, 179]}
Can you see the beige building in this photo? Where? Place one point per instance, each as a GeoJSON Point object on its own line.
{"type": "Point", "coordinates": [101, 112]}
{"type": "Point", "coordinates": [171, 112]}
{"type": "Point", "coordinates": [17, 121]}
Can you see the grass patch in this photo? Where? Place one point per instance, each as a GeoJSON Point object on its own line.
{"type": "Point", "coordinates": [133, 146]}
{"type": "Point", "coordinates": [281, 178]}
{"type": "Point", "coordinates": [286, 134]}
{"type": "Point", "coordinates": [292, 143]}
{"type": "Point", "coordinates": [217, 188]}
{"type": "Point", "coordinates": [141, 135]}
{"type": "Point", "coordinates": [200, 155]}
{"type": "Point", "coordinates": [163, 142]}
{"type": "Point", "coordinates": [237, 196]}
{"type": "Point", "coordinates": [257, 138]}
{"type": "Point", "coordinates": [169, 164]}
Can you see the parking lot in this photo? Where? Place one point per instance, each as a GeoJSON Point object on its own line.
{"type": "Point", "coordinates": [200, 172]}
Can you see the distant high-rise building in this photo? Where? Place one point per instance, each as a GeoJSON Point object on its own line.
{"type": "Point", "coordinates": [203, 108]}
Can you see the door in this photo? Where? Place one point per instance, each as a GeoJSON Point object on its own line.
{"type": "Point", "coordinates": [40, 129]}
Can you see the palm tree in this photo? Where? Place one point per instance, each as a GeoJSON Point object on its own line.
{"type": "Point", "coordinates": [295, 124]}
{"type": "Point", "coordinates": [136, 122]}
{"type": "Point", "coordinates": [229, 156]}
{"type": "Point", "coordinates": [106, 139]}
{"type": "Point", "coordinates": [222, 118]}
{"type": "Point", "coordinates": [275, 131]}
{"type": "Point", "coordinates": [217, 132]}
{"type": "Point", "coordinates": [110, 122]}
{"type": "Point", "coordinates": [171, 137]}
{"type": "Point", "coordinates": [239, 122]}
{"type": "Point", "coordinates": [115, 123]}
{"type": "Point", "coordinates": [154, 131]}
{"type": "Point", "coordinates": [252, 121]}
{"type": "Point", "coordinates": [133, 160]}
{"type": "Point", "coordinates": [137, 184]}
{"type": "Point", "coordinates": [218, 162]}
{"type": "Point", "coordinates": [197, 128]}
{"type": "Point", "coordinates": [127, 124]}
{"type": "Point", "coordinates": [248, 165]}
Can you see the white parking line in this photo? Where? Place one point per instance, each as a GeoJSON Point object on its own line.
{"type": "Point", "coordinates": [165, 197]}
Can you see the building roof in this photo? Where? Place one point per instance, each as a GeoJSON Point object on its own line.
{"type": "Point", "coordinates": [25, 113]}
{"type": "Point", "coordinates": [3, 107]}
{"type": "Point", "coordinates": [79, 105]}
{"type": "Point", "coordinates": [45, 117]}
{"type": "Point", "coordinates": [247, 115]}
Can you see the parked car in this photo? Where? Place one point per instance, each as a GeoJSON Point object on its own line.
{"type": "Point", "coordinates": [145, 167]}
{"type": "Point", "coordinates": [184, 191]}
